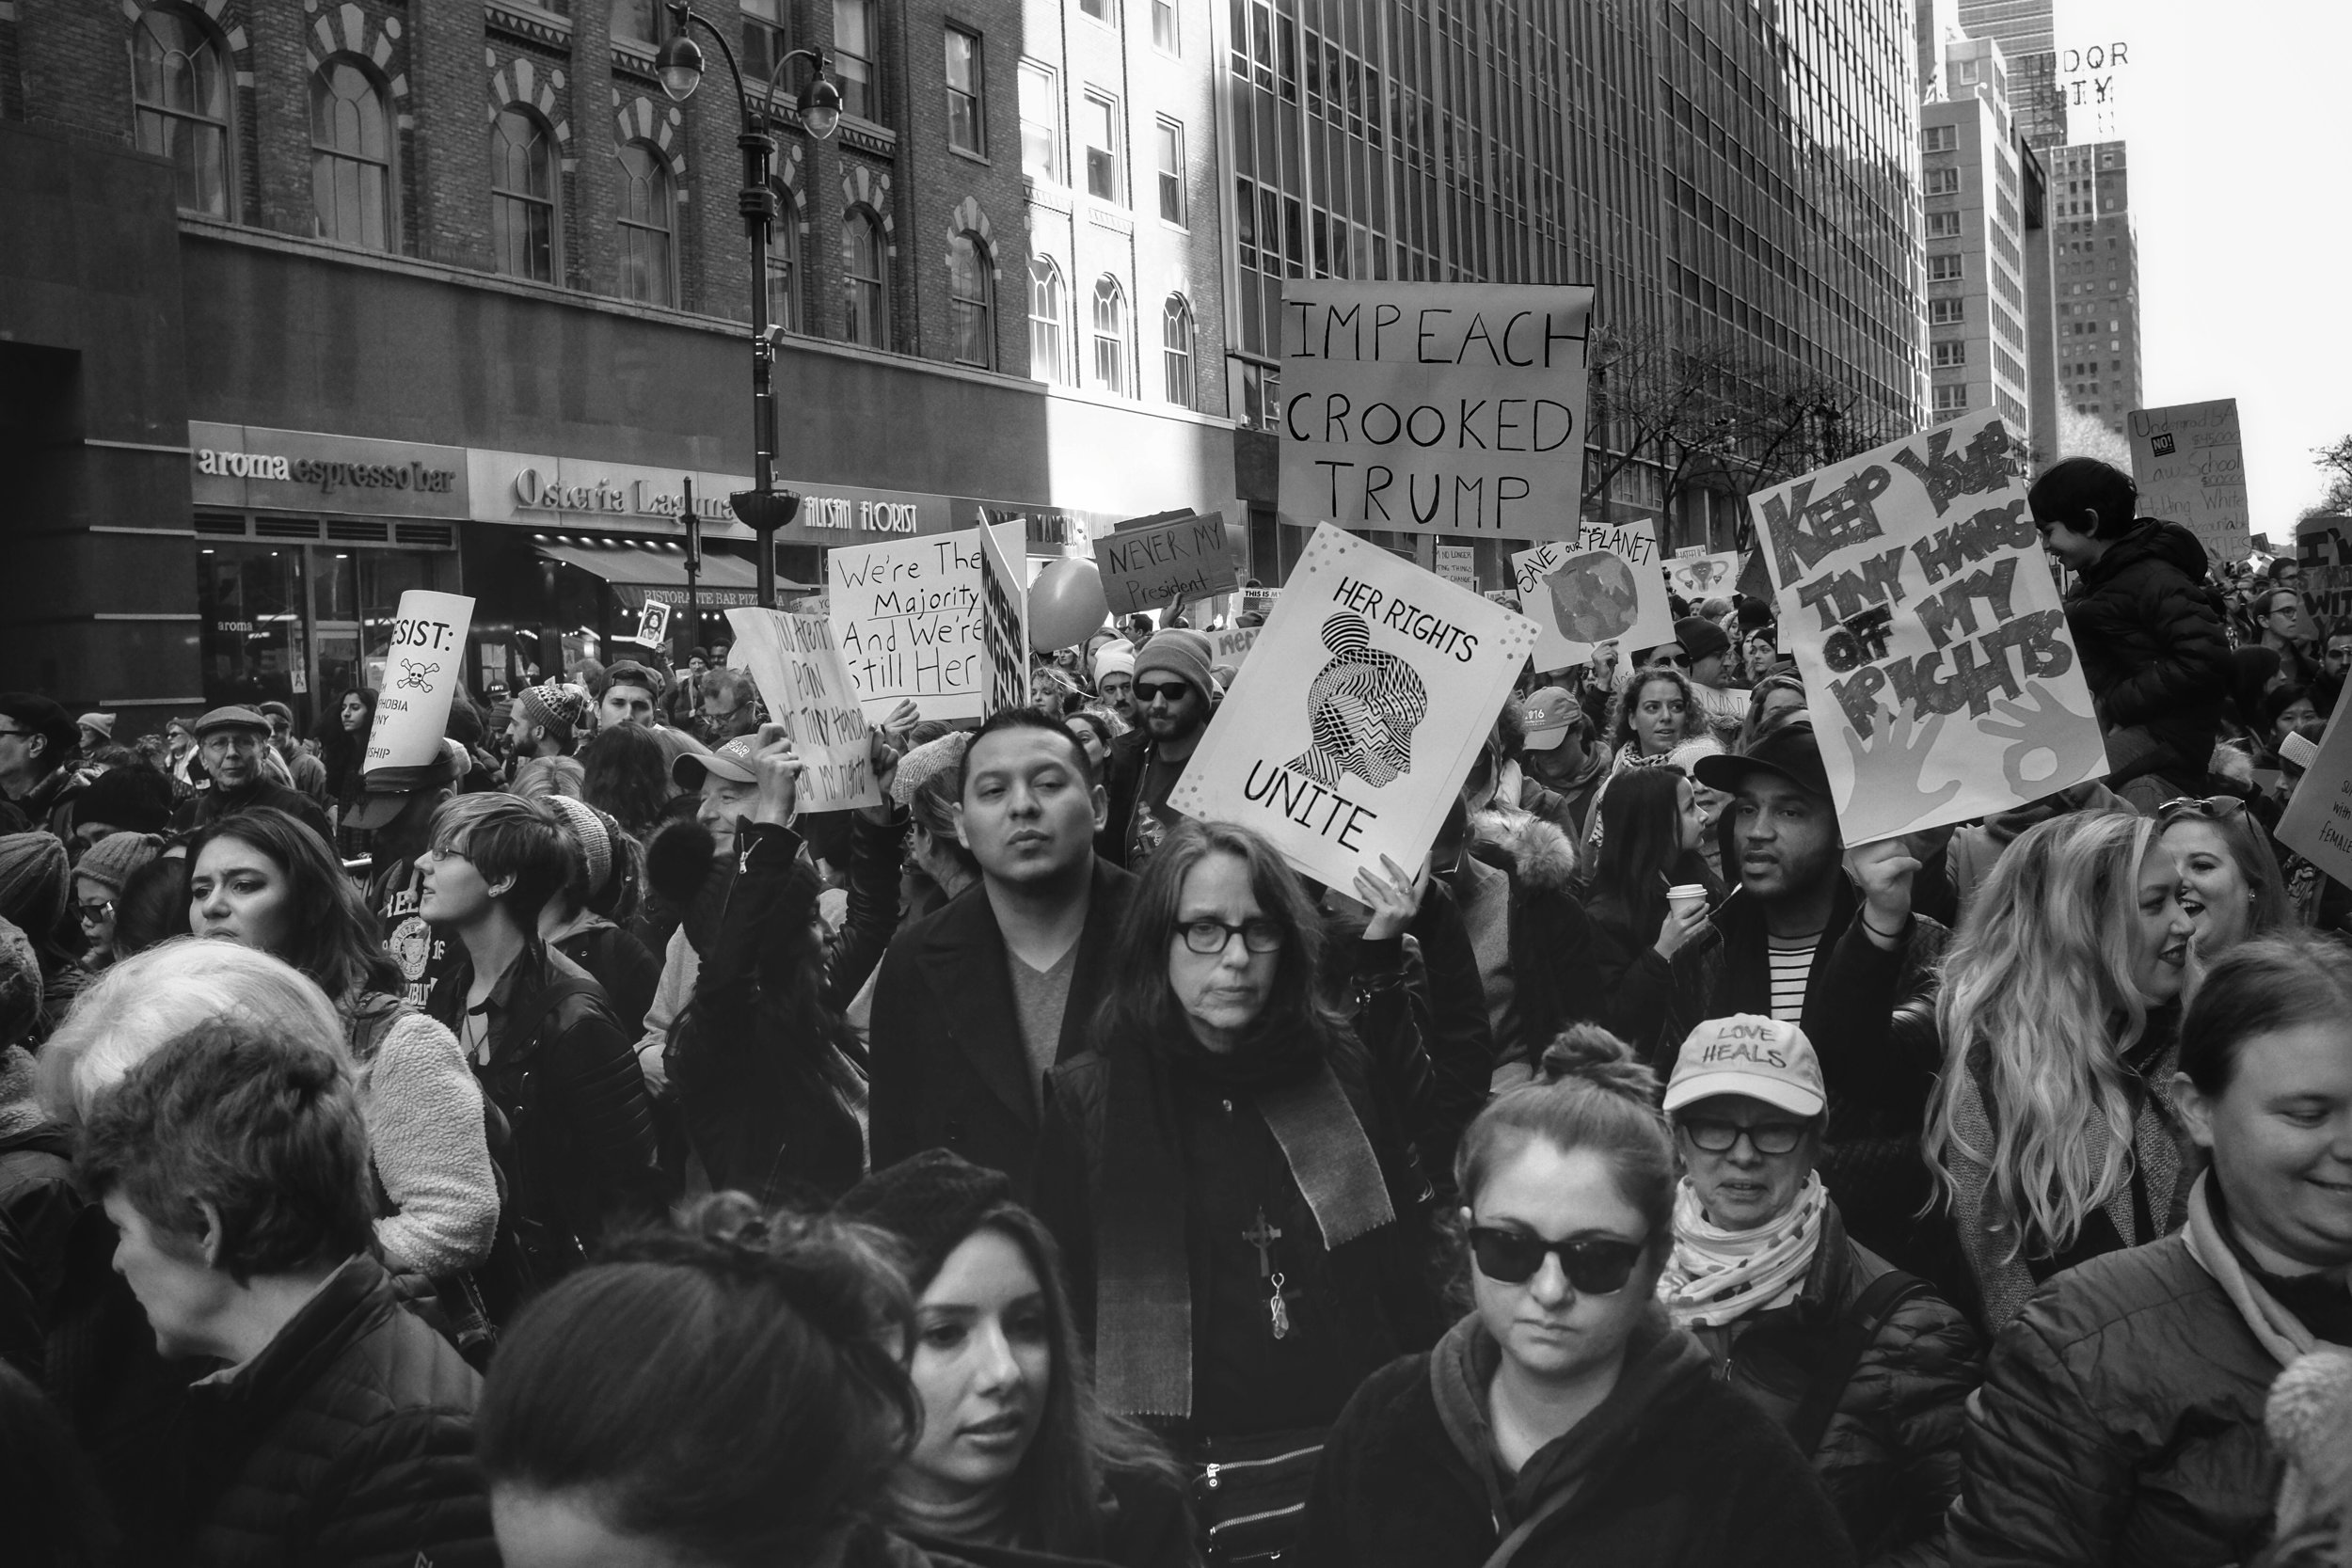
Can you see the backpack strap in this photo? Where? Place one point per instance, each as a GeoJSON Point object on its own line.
{"type": "Point", "coordinates": [1856, 1333]}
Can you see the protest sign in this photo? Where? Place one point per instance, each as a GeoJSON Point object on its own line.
{"type": "Point", "coordinates": [1005, 616]}
{"type": "Point", "coordinates": [2317, 823]}
{"type": "Point", "coordinates": [802, 678]}
{"type": "Point", "coordinates": [1702, 576]}
{"type": "Point", "coordinates": [1458, 565]}
{"type": "Point", "coordinates": [1157, 563]}
{"type": "Point", "coordinates": [1349, 741]}
{"type": "Point", "coordinates": [2191, 470]}
{"type": "Point", "coordinates": [1913, 589]}
{"type": "Point", "coordinates": [1606, 586]}
{"type": "Point", "coordinates": [906, 615]}
{"type": "Point", "coordinates": [422, 671]}
{"type": "Point", "coordinates": [2323, 548]}
{"type": "Point", "coordinates": [1232, 645]}
{"type": "Point", "coordinates": [653, 624]}
{"type": "Point", "coordinates": [1435, 408]}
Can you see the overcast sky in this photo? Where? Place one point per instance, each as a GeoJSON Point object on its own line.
{"type": "Point", "coordinates": [2239, 123]}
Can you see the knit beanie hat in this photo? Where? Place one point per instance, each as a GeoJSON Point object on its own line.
{"type": "Point", "coordinates": [1180, 653]}
{"type": "Point", "coordinates": [931, 757]}
{"type": "Point", "coordinates": [1114, 658]}
{"type": "Point", "coordinates": [559, 709]}
{"type": "Point", "coordinates": [931, 1201]}
{"type": "Point", "coordinates": [33, 891]}
{"type": "Point", "coordinates": [592, 831]}
{"type": "Point", "coordinates": [102, 722]}
{"type": "Point", "coordinates": [1700, 636]}
{"type": "Point", "coordinates": [111, 861]}
{"type": "Point", "coordinates": [132, 798]}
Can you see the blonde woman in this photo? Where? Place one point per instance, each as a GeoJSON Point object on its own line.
{"type": "Point", "coordinates": [2053, 1128]}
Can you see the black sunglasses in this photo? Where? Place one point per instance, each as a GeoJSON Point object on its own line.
{"type": "Point", "coordinates": [1173, 690]}
{"type": "Point", "coordinates": [1594, 1268]}
{"type": "Point", "coordinates": [1721, 1138]}
{"type": "Point", "coordinates": [2214, 808]}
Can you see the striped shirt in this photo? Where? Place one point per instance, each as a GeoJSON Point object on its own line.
{"type": "Point", "coordinates": [1792, 965]}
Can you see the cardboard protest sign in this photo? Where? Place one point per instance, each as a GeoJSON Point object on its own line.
{"type": "Point", "coordinates": [1435, 408]}
{"type": "Point", "coordinates": [653, 624]}
{"type": "Point", "coordinates": [1162, 562]}
{"type": "Point", "coordinates": [1458, 565]}
{"type": "Point", "coordinates": [2317, 823]}
{"type": "Point", "coordinates": [1702, 576]}
{"type": "Point", "coordinates": [906, 615]}
{"type": "Point", "coordinates": [1005, 617]}
{"type": "Point", "coordinates": [1232, 645]}
{"type": "Point", "coordinates": [2191, 470]}
{"type": "Point", "coordinates": [805, 684]}
{"type": "Point", "coordinates": [1607, 586]}
{"type": "Point", "coordinates": [2323, 548]}
{"type": "Point", "coordinates": [1349, 741]}
{"type": "Point", "coordinates": [422, 671]}
{"type": "Point", "coordinates": [1913, 589]}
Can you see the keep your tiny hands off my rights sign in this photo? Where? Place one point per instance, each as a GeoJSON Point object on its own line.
{"type": "Point", "coordinates": [1435, 408]}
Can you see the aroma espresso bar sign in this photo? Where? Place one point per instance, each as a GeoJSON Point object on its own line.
{"type": "Point", "coordinates": [242, 466]}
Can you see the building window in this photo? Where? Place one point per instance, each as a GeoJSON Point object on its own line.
{"type": "Point", "coordinates": [181, 89]}
{"type": "Point", "coordinates": [1951, 400]}
{"type": "Point", "coordinates": [351, 155]}
{"type": "Point", "coordinates": [636, 20]}
{"type": "Point", "coordinates": [1945, 312]}
{"type": "Point", "coordinates": [1099, 9]}
{"type": "Point", "coordinates": [1943, 269]}
{"type": "Point", "coordinates": [1943, 225]}
{"type": "Point", "coordinates": [648, 219]}
{"type": "Point", "coordinates": [1176, 349]}
{"type": "Point", "coordinates": [864, 279]}
{"type": "Point", "coordinates": [1041, 123]}
{"type": "Point", "coordinates": [1110, 335]}
{"type": "Point", "coordinates": [967, 126]}
{"type": "Point", "coordinates": [763, 40]}
{"type": "Point", "coordinates": [1940, 138]}
{"type": "Point", "coordinates": [784, 263]}
{"type": "Point", "coordinates": [1047, 359]}
{"type": "Point", "coordinates": [1943, 182]}
{"type": "Point", "coordinates": [1171, 172]}
{"type": "Point", "coordinates": [1949, 354]}
{"type": "Point", "coordinates": [1164, 33]}
{"type": "Point", "coordinates": [522, 196]}
{"type": "Point", "coordinates": [1102, 131]}
{"type": "Point", "coordinates": [853, 40]}
{"type": "Point", "coordinates": [972, 302]}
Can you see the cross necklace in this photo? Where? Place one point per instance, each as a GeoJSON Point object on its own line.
{"type": "Point", "coordinates": [1264, 1237]}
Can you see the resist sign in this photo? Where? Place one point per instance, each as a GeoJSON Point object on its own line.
{"type": "Point", "coordinates": [421, 669]}
{"type": "Point", "coordinates": [1435, 408]}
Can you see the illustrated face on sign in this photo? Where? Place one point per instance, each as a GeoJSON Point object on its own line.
{"type": "Point", "coordinates": [1363, 707]}
{"type": "Point", "coordinates": [1594, 597]}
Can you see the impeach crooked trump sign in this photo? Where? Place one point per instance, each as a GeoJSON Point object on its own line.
{"type": "Point", "coordinates": [1435, 408]}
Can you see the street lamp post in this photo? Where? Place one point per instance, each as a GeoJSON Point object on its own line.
{"type": "Point", "coordinates": [763, 508]}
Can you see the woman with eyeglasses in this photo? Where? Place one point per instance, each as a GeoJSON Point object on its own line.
{"type": "Point", "coordinates": [1566, 1422]}
{"type": "Point", "coordinates": [99, 878]}
{"type": "Point", "coordinates": [1865, 1367]}
{"type": "Point", "coordinates": [1228, 1169]}
{"type": "Point", "coordinates": [2053, 1129]}
{"type": "Point", "coordinates": [2231, 886]}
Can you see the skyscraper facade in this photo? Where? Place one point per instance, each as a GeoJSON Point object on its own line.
{"type": "Point", "coordinates": [1976, 268]}
{"type": "Point", "coordinates": [2096, 282]}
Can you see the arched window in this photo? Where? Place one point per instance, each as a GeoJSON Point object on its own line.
{"type": "Point", "coordinates": [864, 279]}
{"type": "Point", "coordinates": [1176, 349]}
{"type": "Point", "coordinates": [648, 225]}
{"type": "Point", "coordinates": [522, 195]}
{"type": "Point", "coordinates": [784, 262]}
{"type": "Point", "coordinates": [1048, 360]}
{"type": "Point", "coordinates": [351, 155]}
{"type": "Point", "coordinates": [1110, 335]}
{"type": "Point", "coordinates": [972, 302]}
{"type": "Point", "coordinates": [180, 85]}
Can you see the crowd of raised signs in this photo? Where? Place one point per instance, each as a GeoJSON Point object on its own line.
{"type": "Point", "coordinates": [581, 1155]}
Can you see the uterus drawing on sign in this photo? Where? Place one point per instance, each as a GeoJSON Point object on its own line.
{"type": "Point", "coordinates": [1363, 707]}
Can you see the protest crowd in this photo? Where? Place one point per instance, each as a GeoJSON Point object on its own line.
{"type": "Point", "coordinates": [570, 1147]}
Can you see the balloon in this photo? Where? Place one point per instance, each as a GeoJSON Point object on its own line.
{"type": "Point", "coordinates": [1065, 604]}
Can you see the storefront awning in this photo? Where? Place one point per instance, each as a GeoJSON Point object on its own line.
{"type": "Point", "coordinates": [642, 572]}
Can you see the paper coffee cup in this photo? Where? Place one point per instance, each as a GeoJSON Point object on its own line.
{"type": "Point", "coordinates": [1684, 895]}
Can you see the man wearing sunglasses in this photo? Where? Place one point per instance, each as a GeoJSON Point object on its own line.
{"type": "Point", "coordinates": [1173, 693]}
{"type": "Point", "coordinates": [1764, 1274]}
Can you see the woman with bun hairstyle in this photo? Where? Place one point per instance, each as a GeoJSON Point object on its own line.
{"type": "Point", "coordinates": [1651, 972]}
{"type": "Point", "coordinates": [578, 919]}
{"type": "Point", "coordinates": [1015, 1450]}
{"type": "Point", "coordinates": [1565, 1422]}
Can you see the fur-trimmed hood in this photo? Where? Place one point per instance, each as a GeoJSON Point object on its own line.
{"type": "Point", "coordinates": [1536, 852]}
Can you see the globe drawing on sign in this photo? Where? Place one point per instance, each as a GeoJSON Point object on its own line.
{"type": "Point", "coordinates": [1594, 597]}
{"type": "Point", "coordinates": [1363, 708]}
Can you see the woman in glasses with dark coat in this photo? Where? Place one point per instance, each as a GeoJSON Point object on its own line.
{"type": "Point", "coordinates": [1566, 1422]}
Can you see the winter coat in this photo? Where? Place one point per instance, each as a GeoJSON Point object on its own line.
{"type": "Point", "coordinates": [1553, 982]}
{"type": "Point", "coordinates": [1649, 1001]}
{"type": "Point", "coordinates": [950, 1070]}
{"type": "Point", "coordinates": [422, 1107]}
{"type": "Point", "coordinates": [1145, 1519]}
{"type": "Point", "coordinates": [1449, 1003]}
{"type": "Point", "coordinates": [616, 960]}
{"type": "Point", "coordinates": [2121, 1422]}
{"type": "Point", "coordinates": [208, 806]}
{"type": "Point", "coordinates": [1890, 1456]}
{"type": "Point", "coordinates": [347, 1440]}
{"type": "Point", "coordinates": [2149, 631]}
{"type": "Point", "coordinates": [36, 1191]}
{"type": "Point", "coordinates": [1672, 1470]}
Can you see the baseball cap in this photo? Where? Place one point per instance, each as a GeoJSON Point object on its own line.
{"type": "Point", "coordinates": [731, 762]}
{"type": "Point", "coordinates": [1549, 712]}
{"type": "Point", "coordinates": [229, 718]}
{"type": "Point", "coordinates": [378, 806]}
{"type": "Point", "coordinates": [1750, 1054]}
{"type": "Point", "coordinates": [1791, 753]}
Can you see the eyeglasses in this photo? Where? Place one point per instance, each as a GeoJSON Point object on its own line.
{"type": "Point", "coordinates": [1598, 1267]}
{"type": "Point", "coordinates": [93, 913]}
{"type": "Point", "coordinates": [1722, 1137]}
{"type": "Point", "coordinates": [1173, 690]}
{"type": "Point", "coordinates": [4, 732]}
{"type": "Point", "coordinates": [2214, 808]}
{"type": "Point", "coordinates": [1207, 937]}
{"type": "Point", "coordinates": [1669, 661]}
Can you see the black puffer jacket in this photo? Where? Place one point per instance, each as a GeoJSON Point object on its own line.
{"type": "Point", "coordinates": [347, 1440]}
{"type": "Point", "coordinates": [1551, 972]}
{"type": "Point", "coordinates": [1890, 1456]}
{"type": "Point", "coordinates": [2121, 1422]}
{"type": "Point", "coordinates": [2149, 630]}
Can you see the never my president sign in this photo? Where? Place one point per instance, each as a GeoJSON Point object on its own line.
{"type": "Point", "coordinates": [1435, 408]}
{"type": "Point", "coordinates": [1148, 565]}
{"type": "Point", "coordinates": [1348, 739]}
{"type": "Point", "coordinates": [1914, 592]}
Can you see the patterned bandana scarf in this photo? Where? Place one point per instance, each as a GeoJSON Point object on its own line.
{"type": "Point", "coordinates": [1717, 1275]}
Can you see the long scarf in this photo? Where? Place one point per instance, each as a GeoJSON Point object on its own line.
{"type": "Point", "coordinates": [1143, 1296]}
{"type": "Point", "coordinates": [1718, 1276]}
{"type": "Point", "coordinates": [2281, 1332]}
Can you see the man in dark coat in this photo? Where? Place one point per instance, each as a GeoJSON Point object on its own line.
{"type": "Point", "coordinates": [2147, 626]}
{"type": "Point", "coordinates": [231, 739]}
{"type": "Point", "coordinates": [978, 1001]}
{"type": "Point", "coordinates": [1174, 700]}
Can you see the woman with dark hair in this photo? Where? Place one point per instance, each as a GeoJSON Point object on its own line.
{"type": "Point", "coordinates": [730, 1396]}
{"type": "Point", "coordinates": [1769, 701]}
{"type": "Point", "coordinates": [1015, 1450]}
{"type": "Point", "coordinates": [1228, 1166]}
{"type": "Point", "coordinates": [1092, 727]}
{"type": "Point", "coordinates": [2121, 1419]}
{"type": "Point", "coordinates": [628, 778]}
{"type": "Point", "coordinates": [2285, 711]}
{"type": "Point", "coordinates": [1566, 1422]}
{"type": "Point", "coordinates": [1656, 712]}
{"type": "Point", "coordinates": [153, 905]}
{"type": "Point", "coordinates": [1649, 951]}
{"type": "Point", "coordinates": [265, 880]}
{"type": "Point", "coordinates": [342, 749]}
{"type": "Point", "coordinates": [579, 918]}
